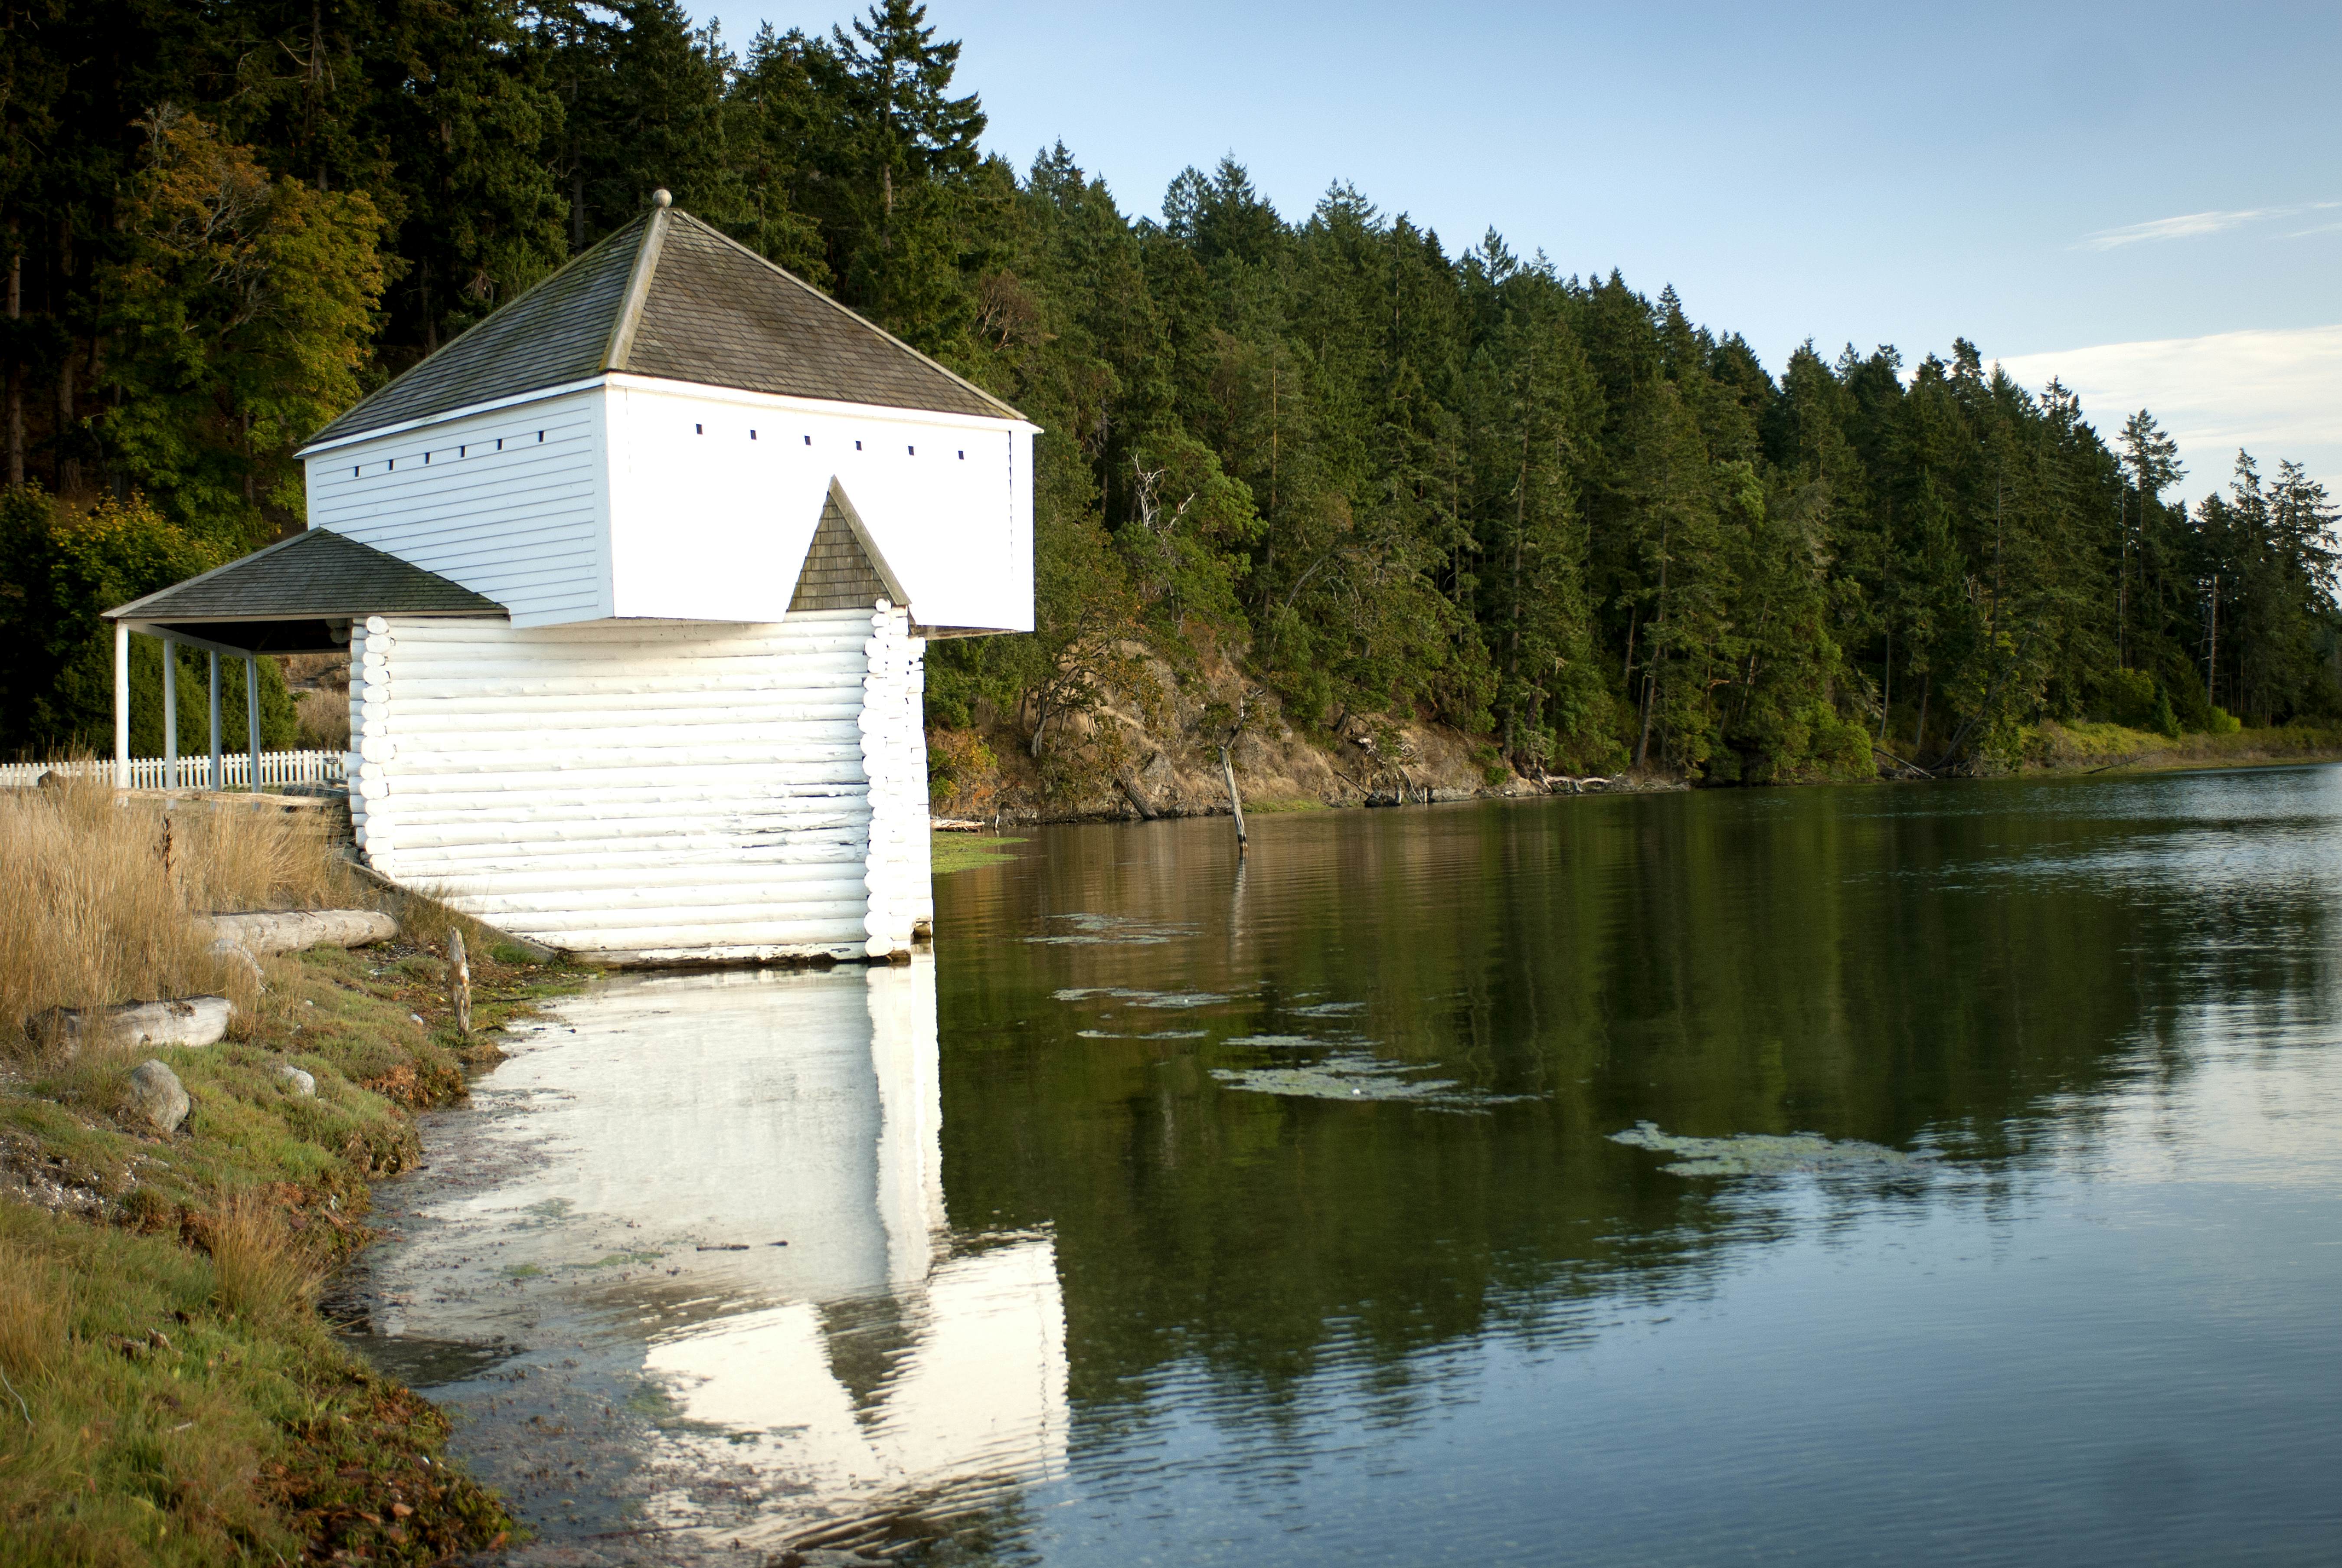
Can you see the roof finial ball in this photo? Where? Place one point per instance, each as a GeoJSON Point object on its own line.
{"type": "Point", "coordinates": [659, 197]}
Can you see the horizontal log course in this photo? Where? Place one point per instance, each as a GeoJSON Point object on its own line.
{"type": "Point", "coordinates": [454, 686]}
{"type": "Point", "coordinates": [563, 714]}
{"type": "Point", "coordinates": [749, 884]}
{"type": "Point", "coordinates": [834, 645]}
{"type": "Point", "coordinates": [535, 869]}
{"type": "Point", "coordinates": [290, 930]}
{"type": "Point", "coordinates": [425, 753]}
{"type": "Point", "coordinates": [546, 915]}
{"type": "Point", "coordinates": [771, 668]}
{"type": "Point", "coordinates": [576, 832]}
{"type": "Point", "coordinates": [809, 921]}
{"type": "Point", "coordinates": [768, 776]}
{"type": "Point", "coordinates": [584, 843]}
{"type": "Point", "coordinates": [629, 811]}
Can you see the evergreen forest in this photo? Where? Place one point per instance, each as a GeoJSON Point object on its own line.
{"type": "Point", "coordinates": [1393, 476]}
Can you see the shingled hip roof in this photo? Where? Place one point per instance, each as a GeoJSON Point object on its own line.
{"type": "Point", "coordinates": [669, 296]}
{"type": "Point", "coordinates": [280, 598]}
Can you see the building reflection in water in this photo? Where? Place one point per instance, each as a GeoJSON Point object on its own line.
{"type": "Point", "coordinates": [623, 1186]}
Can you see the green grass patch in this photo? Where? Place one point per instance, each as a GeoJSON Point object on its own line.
{"type": "Point", "coordinates": [2101, 746]}
{"type": "Point", "coordinates": [160, 1407]}
{"type": "Point", "coordinates": [950, 852]}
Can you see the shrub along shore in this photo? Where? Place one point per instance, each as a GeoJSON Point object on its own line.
{"type": "Point", "coordinates": [168, 1391]}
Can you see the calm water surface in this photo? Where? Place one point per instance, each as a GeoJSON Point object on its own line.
{"type": "Point", "coordinates": [1180, 1211]}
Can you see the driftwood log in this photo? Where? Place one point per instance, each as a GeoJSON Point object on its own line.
{"type": "Point", "coordinates": [290, 930]}
{"type": "Point", "coordinates": [189, 1020]}
{"type": "Point", "coordinates": [1136, 797]}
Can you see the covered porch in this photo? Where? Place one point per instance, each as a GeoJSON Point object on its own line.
{"type": "Point", "coordinates": [301, 595]}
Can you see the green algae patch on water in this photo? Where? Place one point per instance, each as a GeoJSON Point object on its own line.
{"type": "Point", "coordinates": [1086, 931]}
{"type": "Point", "coordinates": [1160, 999]}
{"type": "Point", "coordinates": [1347, 1075]}
{"type": "Point", "coordinates": [949, 852]}
{"type": "Point", "coordinates": [1150, 1034]}
{"type": "Point", "coordinates": [1768, 1154]}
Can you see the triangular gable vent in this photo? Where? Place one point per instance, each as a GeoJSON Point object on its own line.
{"type": "Point", "coordinates": [839, 572]}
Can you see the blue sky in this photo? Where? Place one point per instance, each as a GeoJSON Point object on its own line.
{"type": "Point", "coordinates": [2062, 184]}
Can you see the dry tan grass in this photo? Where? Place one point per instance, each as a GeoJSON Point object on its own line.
{"type": "Point", "coordinates": [89, 914]}
{"type": "Point", "coordinates": [234, 858]}
{"type": "Point", "coordinates": [324, 719]}
{"type": "Point", "coordinates": [97, 899]}
{"type": "Point", "coordinates": [262, 1269]}
{"type": "Point", "coordinates": [321, 685]}
{"type": "Point", "coordinates": [36, 1311]}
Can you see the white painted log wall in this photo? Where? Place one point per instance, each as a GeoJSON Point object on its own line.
{"type": "Point", "coordinates": [651, 791]}
{"type": "Point", "coordinates": [483, 501]}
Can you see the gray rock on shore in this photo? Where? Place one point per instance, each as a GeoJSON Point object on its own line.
{"type": "Point", "coordinates": [294, 1078]}
{"type": "Point", "coordinates": [156, 1094]}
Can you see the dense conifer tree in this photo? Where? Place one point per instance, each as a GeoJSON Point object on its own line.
{"type": "Point", "coordinates": [1393, 480]}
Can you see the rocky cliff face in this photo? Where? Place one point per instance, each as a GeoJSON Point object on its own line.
{"type": "Point", "coordinates": [1157, 755]}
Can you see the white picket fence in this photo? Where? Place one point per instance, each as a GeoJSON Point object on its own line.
{"type": "Point", "coordinates": [194, 772]}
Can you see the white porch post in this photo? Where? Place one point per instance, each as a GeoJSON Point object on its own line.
{"type": "Point", "coordinates": [218, 779]}
{"type": "Point", "coordinates": [121, 706]}
{"type": "Point", "coordinates": [170, 714]}
{"type": "Point", "coordinates": [252, 713]}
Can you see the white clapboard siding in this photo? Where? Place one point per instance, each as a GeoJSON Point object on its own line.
{"type": "Point", "coordinates": [649, 791]}
{"type": "Point", "coordinates": [510, 503]}
{"type": "Point", "coordinates": [714, 494]}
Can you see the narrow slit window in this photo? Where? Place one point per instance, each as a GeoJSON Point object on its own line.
{"type": "Point", "coordinates": [808, 440]}
{"type": "Point", "coordinates": [390, 467]}
{"type": "Point", "coordinates": [540, 438]}
{"type": "Point", "coordinates": [858, 445]}
{"type": "Point", "coordinates": [427, 459]}
{"type": "Point", "coordinates": [354, 473]}
{"type": "Point", "coordinates": [500, 443]}
{"type": "Point", "coordinates": [913, 450]}
{"type": "Point", "coordinates": [461, 450]}
{"type": "Point", "coordinates": [752, 434]}
{"type": "Point", "coordinates": [963, 456]}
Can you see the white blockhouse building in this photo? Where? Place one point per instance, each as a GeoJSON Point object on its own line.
{"type": "Point", "coordinates": [636, 578]}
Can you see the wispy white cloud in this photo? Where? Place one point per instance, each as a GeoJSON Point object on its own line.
{"type": "Point", "coordinates": [2195, 225]}
{"type": "Point", "coordinates": [2277, 394]}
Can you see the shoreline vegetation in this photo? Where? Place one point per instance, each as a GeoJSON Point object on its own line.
{"type": "Point", "coordinates": [169, 1392]}
{"type": "Point", "coordinates": [2048, 748]}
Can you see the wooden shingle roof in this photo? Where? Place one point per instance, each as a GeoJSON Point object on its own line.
{"type": "Point", "coordinates": [319, 575]}
{"type": "Point", "coordinates": [669, 296]}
